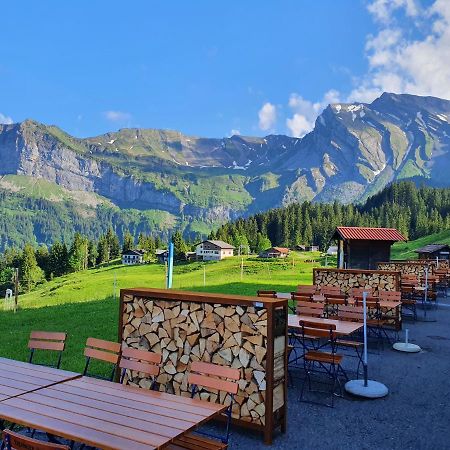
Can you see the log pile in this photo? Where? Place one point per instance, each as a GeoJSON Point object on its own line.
{"type": "Point", "coordinates": [229, 335]}
{"type": "Point", "coordinates": [347, 279]}
{"type": "Point", "coordinates": [412, 267]}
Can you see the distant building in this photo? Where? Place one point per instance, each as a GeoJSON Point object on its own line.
{"type": "Point", "coordinates": [300, 248]}
{"type": "Point", "coordinates": [363, 248]}
{"type": "Point", "coordinates": [312, 248]}
{"type": "Point", "coordinates": [433, 251]}
{"type": "Point", "coordinates": [332, 250]}
{"type": "Point", "coordinates": [190, 256]}
{"type": "Point", "coordinates": [213, 250]}
{"type": "Point", "coordinates": [162, 255]}
{"type": "Point", "coordinates": [275, 252]}
{"type": "Point", "coordinates": [133, 257]}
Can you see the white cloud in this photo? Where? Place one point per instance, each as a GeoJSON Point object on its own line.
{"type": "Point", "coordinates": [267, 116]}
{"type": "Point", "coordinates": [398, 63]}
{"type": "Point", "coordinates": [383, 10]}
{"type": "Point", "coordinates": [305, 112]}
{"type": "Point", "coordinates": [117, 116]}
{"type": "Point", "coordinates": [235, 132]}
{"type": "Point", "coordinates": [5, 119]}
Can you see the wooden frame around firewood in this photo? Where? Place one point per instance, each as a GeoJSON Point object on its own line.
{"type": "Point", "coordinates": [249, 333]}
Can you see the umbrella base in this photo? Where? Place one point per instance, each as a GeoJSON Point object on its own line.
{"type": "Point", "coordinates": [408, 348]}
{"type": "Point", "coordinates": [374, 389]}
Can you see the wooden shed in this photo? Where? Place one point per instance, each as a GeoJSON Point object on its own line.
{"type": "Point", "coordinates": [363, 247]}
{"type": "Point", "coordinates": [433, 251]}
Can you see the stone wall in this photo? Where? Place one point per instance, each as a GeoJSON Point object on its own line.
{"type": "Point", "coordinates": [229, 335]}
{"type": "Point", "coordinates": [348, 278]}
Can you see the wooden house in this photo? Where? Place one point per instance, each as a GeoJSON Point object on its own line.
{"type": "Point", "coordinates": [130, 257]}
{"type": "Point", "coordinates": [213, 250]}
{"type": "Point", "coordinates": [363, 247]}
{"type": "Point", "coordinates": [433, 251]}
{"type": "Point", "coordinates": [275, 252]}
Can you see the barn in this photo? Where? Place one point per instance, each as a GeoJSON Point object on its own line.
{"type": "Point", "coordinates": [364, 247]}
{"type": "Point", "coordinates": [433, 251]}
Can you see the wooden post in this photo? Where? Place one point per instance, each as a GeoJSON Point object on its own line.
{"type": "Point", "coordinates": [16, 289]}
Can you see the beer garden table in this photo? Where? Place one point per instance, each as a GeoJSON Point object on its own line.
{"type": "Point", "coordinates": [100, 413]}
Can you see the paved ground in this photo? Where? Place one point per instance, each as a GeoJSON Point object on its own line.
{"type": "Point", "coordinates": [415, 414]}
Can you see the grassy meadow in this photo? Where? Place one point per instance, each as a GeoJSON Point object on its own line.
{"type": "Point", "coordinates": [405, 250]}
{"type": "Point", "coordinates": [86, 303]}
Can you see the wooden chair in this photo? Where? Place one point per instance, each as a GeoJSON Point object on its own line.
{"type": "Point", "coordinates": [16, 441]}
{"type": "Point", "coordinates": [327, 290]}
{"type": "Point", "coordinates": [312, 309]}
{"type": "Point", "coordinates": [332, 305]}
{"type": "Point", "coordinates": [216, 378]}
{"type": "Point", "coordinates": [352, 314]}
{"type": "Point", "coordinates": [409, 301]}
{"type": "Point", "coordinates": [268, 294]}
{"type": "Point", "coordinates": [390, 295]}
{"type": "Point", "coordinates": [140, 361]}
{"type": "Point", "coordinates": [100, 350]}
{"type": "Point", "coordinates": [306, 289]}
{"type": "Point", "coordinates": [360, 291]}
{"type": "Point", "coordinates": [330, 362]}
{"type": "Point", "coordinates": [47, 341]}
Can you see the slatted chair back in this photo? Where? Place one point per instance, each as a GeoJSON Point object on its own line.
{"type": "Point", "coordinates": [318, 331]}
{"type": "Point", "coordinates": [312, 309]}
{"type": "Point", "coordinates": [351, 313]}
{"type": "Point", "coordinates": [390, 295]}
{"type": "Point", "coordinates": [100, 350]}
{"type": "Point", "coordinates": [47, 341]}
{"type": "Point", "coordinates": [326, 290]}
{"type": "Point", "coordinates": [360, 291]}
{"type": "Point", "coordinates": [296, 296]}
{"type": "Point", "coordinates": [217, 378]}
{"type": "Point", "coordinates": [267, 294]}
{"type": "Point", "coordinates": [306, 289]}
{"type": "Point", "coordinates": [16, 441]}
{"type": "Point", "coordinates": [140, 361]}
{"type": "Point", "coordinates": [333, 304]}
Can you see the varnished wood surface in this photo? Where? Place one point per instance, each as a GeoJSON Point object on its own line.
{"type": "Point", "coordinates": [343, 327]}
{"type": "Point", "coordinates": [17, 377]}
{"type": "Point", "coordinates": [108, 415]}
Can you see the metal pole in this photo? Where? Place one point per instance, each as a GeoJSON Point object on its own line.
{"type": "Point", "coordinates": [242, 268]}
{"type": "Point", "coordinates": [170, 267]}
{"type": "Point", "coordinates": [425, 296]}
{"type": "Point", "coordinates": [365, 338]}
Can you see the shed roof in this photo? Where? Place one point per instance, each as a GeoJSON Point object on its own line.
{"type": "Point", "coordinates": [431, 248]}
{"type": "Point", "coordinates": [220, 244]}
{"type": "Point", "coordinates": [280, 249]}
{"type": "Point", "coordinates": [369, 234]}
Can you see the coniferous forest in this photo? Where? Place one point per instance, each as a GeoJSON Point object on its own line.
{"type": "Point", "coordinates": [414, 211]}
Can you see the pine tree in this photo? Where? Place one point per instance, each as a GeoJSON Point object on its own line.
{"type": "Point", "coordinates": [128, 241]}
{"type": "Point", "coordinates": [30, 272]}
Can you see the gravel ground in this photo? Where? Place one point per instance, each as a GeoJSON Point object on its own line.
{"type": "Point", "coordinates": [415, 414]}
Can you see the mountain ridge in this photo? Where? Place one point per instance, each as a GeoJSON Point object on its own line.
{"type": "Point", "coordinates": [354, 150]}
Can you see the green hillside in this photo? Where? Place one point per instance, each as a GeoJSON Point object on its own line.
{"type": "Point", "coordinates": [402, 250]}
{"type": "Point", "coordinates": [83, 303]}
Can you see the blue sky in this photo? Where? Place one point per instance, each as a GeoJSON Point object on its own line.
{"type": "Point", "coordinates": [211, 68]}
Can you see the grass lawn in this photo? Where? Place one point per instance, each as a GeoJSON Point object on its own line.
{"type": "Point", "coordinates": [83, 304]}
{"type": "Point", "coordinates": [405, 250]}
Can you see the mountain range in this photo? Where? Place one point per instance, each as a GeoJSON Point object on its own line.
{"type": "Point", "coordinates": [162, 179]}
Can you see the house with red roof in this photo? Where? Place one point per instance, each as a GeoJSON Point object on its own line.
{"type": "Point", "coordinates": [364, 247]}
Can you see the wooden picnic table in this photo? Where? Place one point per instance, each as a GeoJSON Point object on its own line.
{"type": "Point", "coordinates": [343, 327]}
{"type": "Point", "coordinates": [108, 415]}
{"type": "Point", "coordinates": [17, 377]}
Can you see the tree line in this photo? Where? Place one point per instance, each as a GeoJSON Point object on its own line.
{"type": "Point", "coordinates": [37, 265]}
{"type": "Point", "coordinates": [414, 211]}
